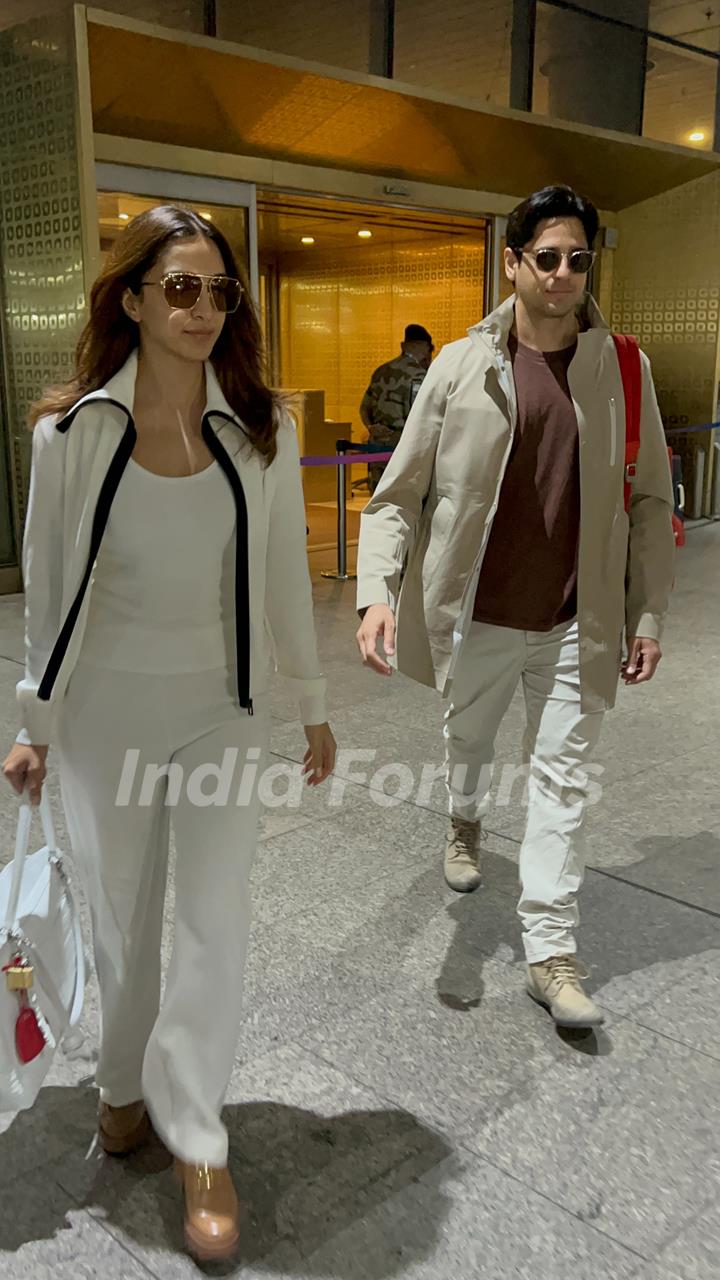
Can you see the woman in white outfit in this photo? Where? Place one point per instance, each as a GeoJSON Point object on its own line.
{"type": "Point", "coordinates": [164, 556]}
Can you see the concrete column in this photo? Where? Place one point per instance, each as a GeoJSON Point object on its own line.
{"type": "Point", "coordinates": [596, 71]}
{"type": "Point", "coordinates": [522, 54]}
{"type": "Point", "coordinates": [381, 54]}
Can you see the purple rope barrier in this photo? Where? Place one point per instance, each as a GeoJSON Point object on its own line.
{"type": "Point", "coordinates": [342, 459]}
{"type": "Point", "coordinates": [347, 459]}
{"type": "Point", "coordinates": [706, 426]}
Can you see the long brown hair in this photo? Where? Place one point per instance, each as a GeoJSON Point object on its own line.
{"type": "Point", "coordinates": [110, 335]}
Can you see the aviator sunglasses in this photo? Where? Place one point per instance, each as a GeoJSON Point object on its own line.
{"type": "Point", "coordinates": [548, 260]}
{"type": "Point", "coordinates": [182, 289]}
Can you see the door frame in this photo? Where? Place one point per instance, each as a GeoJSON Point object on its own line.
{"type": "Point", "coordinates": [166, 184]}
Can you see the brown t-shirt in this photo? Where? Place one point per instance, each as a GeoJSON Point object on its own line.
{"type": "Point", "coordinates": [528, 578]}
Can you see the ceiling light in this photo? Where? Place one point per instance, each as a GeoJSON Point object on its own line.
{"type": "Point", "coordinates": [365, 235]}
{"type": "Point", "coordinates": [124, 217]}
{"type": "Point", "coordinates": [307, 240]}
{"type": "Point", "coordinates": [207, 216]}
{"type": "Point", "coordinates": [697, 135]}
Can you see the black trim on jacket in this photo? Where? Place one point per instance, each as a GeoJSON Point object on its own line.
{"type": "Point", "coordinates": [242, 555]}
{"type": "Point", "coordinates": [100, 519]}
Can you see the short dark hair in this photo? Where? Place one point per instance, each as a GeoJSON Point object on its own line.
{"type": "Point", "coordinates": [418, 333]}
{"type": "Point", "coordinates": [551, 202]}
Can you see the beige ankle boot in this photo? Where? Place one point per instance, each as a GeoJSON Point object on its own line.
{"type": "Point", "coordinates": [211, 1211]}
{"type": "Point", "coordinates": [123, 1129]}
{"type": "Point", "coordinates": [556, 984]}
{"type": "Point", "coordinates": [462, 855]}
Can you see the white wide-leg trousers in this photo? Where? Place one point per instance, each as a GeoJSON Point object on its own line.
{"type": "Point", "coordinates": [557, 747]}
{"type": "Point", "coordinates": [116, 731]}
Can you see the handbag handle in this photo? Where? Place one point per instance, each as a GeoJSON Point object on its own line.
{"type": "Point", "coordinates": [22, 844]}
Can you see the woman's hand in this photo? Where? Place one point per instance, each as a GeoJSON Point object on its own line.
{"type": "Point", "coordinates": [319, 759]}
{"type": "Point", "coordinates": [25, 770]}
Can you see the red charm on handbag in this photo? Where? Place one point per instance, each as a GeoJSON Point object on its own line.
{"type": "Point", "coordinates": [29, 1039]}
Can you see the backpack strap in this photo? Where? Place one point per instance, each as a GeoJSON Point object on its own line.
{"type": "Point", "coordinates": [628, 354]}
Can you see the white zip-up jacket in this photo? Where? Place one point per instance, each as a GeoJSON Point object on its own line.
{"type": "Point", "coordinates": [78, 462]}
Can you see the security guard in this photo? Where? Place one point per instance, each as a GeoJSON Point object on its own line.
{"type": "Point", "coordinates": [393, 388]}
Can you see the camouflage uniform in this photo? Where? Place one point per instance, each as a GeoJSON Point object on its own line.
{"type": "Point", "coordinates": [386, 405]}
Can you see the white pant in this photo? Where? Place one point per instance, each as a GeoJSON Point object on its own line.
{"type": "Point", "coordinates": [558, 743]}
{"type": "Point", "coordinates": [178, 1057]}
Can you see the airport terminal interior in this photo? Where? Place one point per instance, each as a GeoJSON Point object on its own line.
{"type": "Point", "coordinates": [398, 1108]}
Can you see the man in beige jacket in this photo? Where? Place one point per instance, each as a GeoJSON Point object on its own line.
{"type": "Point", "coordinates": [499, 536]}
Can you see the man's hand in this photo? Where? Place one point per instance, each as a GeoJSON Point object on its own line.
{"type": "Point", "coordinates": [378, 621]}
{"type": "Point", "coordinates": [641, 662]}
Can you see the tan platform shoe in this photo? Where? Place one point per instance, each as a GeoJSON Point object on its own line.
{"type": "Point", "coordinates": [462, 855]}
{"type": "Point", "coordinates": [556, 984]}
{"type": "Point", "coordinates": [211, 1211]}
{"type": "Point", "coordinates": [123, 1129]}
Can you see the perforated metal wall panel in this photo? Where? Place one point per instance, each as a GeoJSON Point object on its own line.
{"type": "Point", "coordinates": [41, 250]}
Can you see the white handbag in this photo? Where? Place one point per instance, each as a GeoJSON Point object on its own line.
{"type": "Point", "coordinates": [42, 959]}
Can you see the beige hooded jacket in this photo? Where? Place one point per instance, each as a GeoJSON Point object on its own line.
{"type": "Point", "coordinates": [424, 532]}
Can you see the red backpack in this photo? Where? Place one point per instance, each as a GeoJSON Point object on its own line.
{"type": "Point", "coordinates": [628, 354]}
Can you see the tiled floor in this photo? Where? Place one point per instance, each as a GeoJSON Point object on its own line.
{"type": "Point", "coordinates": [399, 1108]}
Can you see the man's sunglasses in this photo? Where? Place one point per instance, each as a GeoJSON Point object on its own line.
{"type": "Point", "coordinates": [548, 260]}
{"type": "Point", "coordinates": [182, 289]}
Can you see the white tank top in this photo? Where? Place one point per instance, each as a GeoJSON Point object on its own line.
{"type": "Point", "coordinates": [163, 599]}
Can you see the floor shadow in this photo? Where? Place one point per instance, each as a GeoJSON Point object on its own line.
{"type": "Point", "coordinates": [650, 911]}
{"type": "Point", "coordinates": [630, 921]}
{"type": "Point", "coordinates": [486, 927]}
{"type": "Point", "coordinates": [590, 1043]}
{"type": "Point", "coordinates": [686, 869]}
{"type": "Point", "coordinates": [302, 1178]}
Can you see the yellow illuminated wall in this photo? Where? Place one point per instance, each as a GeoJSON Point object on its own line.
{"type": "Point", "coordinates": [343, 314]}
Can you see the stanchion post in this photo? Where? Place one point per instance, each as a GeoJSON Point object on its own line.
{"type": "Point", "coordinates": [341, 517]}
{"type": "Point", "coordinates": [342, 574]}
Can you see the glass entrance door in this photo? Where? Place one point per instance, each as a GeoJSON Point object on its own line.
{"type": "Point", "coordinates": [124, 191]}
